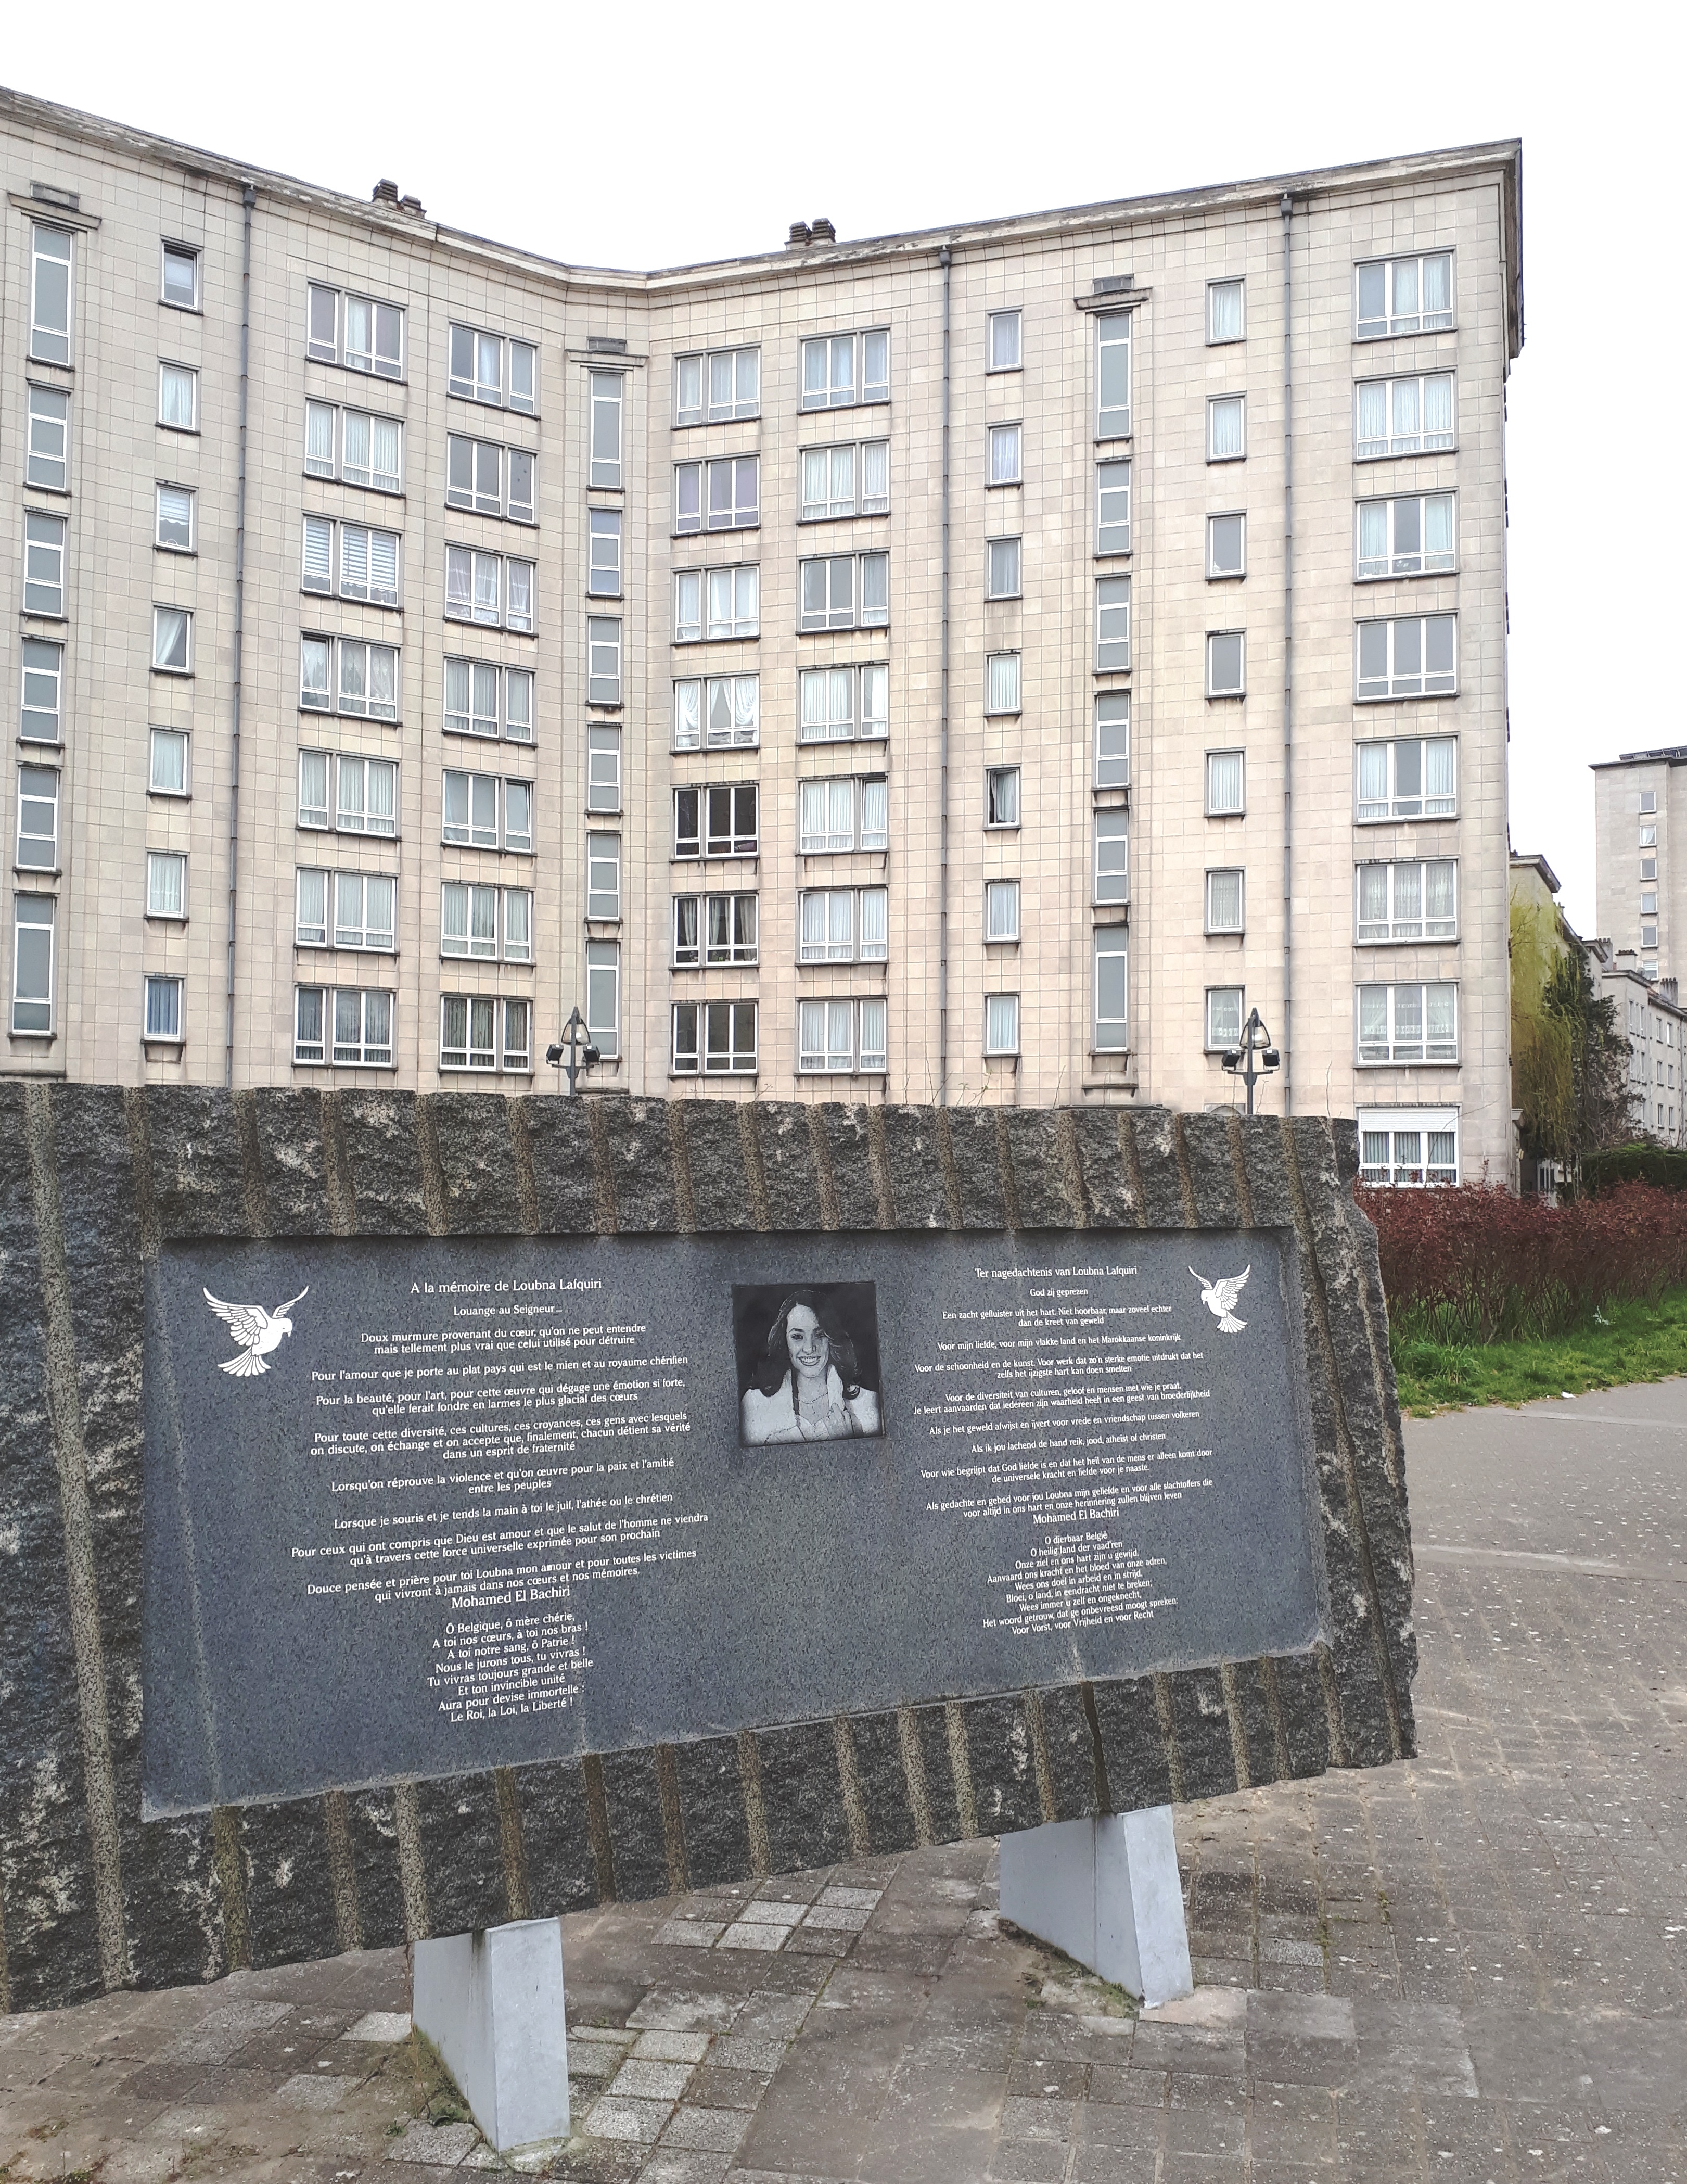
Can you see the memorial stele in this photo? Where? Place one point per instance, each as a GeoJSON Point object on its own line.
{"type": "Point", "coordinates": [437, 1510]}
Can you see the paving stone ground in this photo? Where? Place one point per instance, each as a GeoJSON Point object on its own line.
{"type": "Point", "coordinates": [1470, 1967]}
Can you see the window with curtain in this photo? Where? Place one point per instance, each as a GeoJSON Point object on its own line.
{"type": "Point", "coordinates": [1223, 784]}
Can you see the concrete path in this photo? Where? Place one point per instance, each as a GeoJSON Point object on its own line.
{"type": "Point", "coordinates": [1471, 1967]}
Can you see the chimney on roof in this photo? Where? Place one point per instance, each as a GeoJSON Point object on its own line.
{"type": "Point", "coordinates": [384, 192]}
{"type": "Point", "coordinates": [411, 205]}
{"type": "Point", "coordinates": [823, 231]}
{"type": "Point", "coordinates": [799, 238]}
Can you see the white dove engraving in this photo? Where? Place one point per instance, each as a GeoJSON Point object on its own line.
{"type": "Point", "coordinates": [258, 1332]}
{"type": "Point", "coordinates": [1220, 1299]}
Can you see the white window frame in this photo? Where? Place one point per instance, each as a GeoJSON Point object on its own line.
{"type": "Point", "coordinates": [698, 701]}
{"type": "Point", "coordinates": [1399, 684]}
{"type": "Point", "coordinates": [1004, 568]}
{"type": "Point", "coordinates": [835, 944]}
{"type": "Point", "coordinates": [362, 818]}
{"type": "Point", "coordinates": [1111, 767]}
{"type": "Point", "coordinates": [992, 775]}
{"type": "Point", "coordinates": [1215, 403]}
{"type": "Point", "coordinates": [706, 410]}
{"type": "Point", "coordinates": [334, 465]}
{"type": "Point", "coordinates": [1003, 685]}
{"type": "Point", "coordinates": [733, 511]}
{"type": "Point", "coordinates": [510, 841]}
{"type": "Point", "coordinates": [603, 659]}
{"type": "Point", "coordinates": [163, 983]}
{"type": "Point", "coordinates": [857, 615]}
{"type": "Point", "coordinates": [1225, 811]}
{"type": "Point", "coordinates": [831, 1038]}
{"type": "Point", "coordinates": [1214, 339]}
{"type": "Point", "coordinates": [1108, 942]}
{"type": "Point", "coordinates": [1112, 485]}
{"type": "Point", "coordinates": [1394, 930]}
{"type": "Point", "coordinates": [602, 878]}
{"type": "Point", "coordinates": [1392, 445]}
{"type": "Point", "coordinates": [46, 563]}
{"type": "Point", "coordinates": [830, 393]}
{"type": "Point", "coordinates": [735, 585]}
{"type": "Point", "coordinates": [40, 678]}
{"type": "Point", "coordinates": [164, 667]}
{"type": "Point", "coordinates": [602, 997]}
{"type": "Point", "coordinates": [865, 684]}
{"type": "Point", "coordinates": [603, 767]}
{"type": "Point", "coordinates": [50, 343]}
{"type": "Point", "coordinates": [34, 851]}
{"type": "Point", "coordinates": [463, 720]}
{"type": "Point", "coordinates": [1217, 642]}
{"type": "Point", "coordinates": [1222, 872]}
{"type": "Point", "coordinates": [1403, 1052]}
{"type": "Point", "coordinates": [507, 1051]}
{"type": "Point", "coordinates": [703, 953]}
{"type": "Point", "coordinates": [161, 865]}
{"type": "Point", "coordinates": [470, 387]}
{"type": "Point", "coordinates": [831, 842]}
{"type": "Point", "coordinates": [604, 554]}
{"type": "Point", "coordinates": [1394, 1123]}
{"type": "Point", "coordinates": [194, 257]}
{"type": "Point", "coordinates": [742, 835]}
{"type": "Point", "coordinates": [1110, 859]}
{"type": "Point", "coordinates": [46, 462]}
{"type": "Point", "coordinates": [1114, 335]}
{"type": "Point", "coordinates": [707, 1054]}
{"type": "Point", "coordinates": [1392, 564]}
{"type": "Point", "coordinates": [1012, 318]}
{"type": "Point", "coordinates": [1005, 463]}
{"type": "Point", "coordinates": [606, 423]}
{"type": "Point", "coordinates": [834, 508]}
{"type": "Point", "coordinates": [183, 736]}
{"type": "Point", "coordinates": [1215, 574]}
{"type": "Point", "coordinates": [1001, 913]}
{"type": "Point", "coordinates": [1113, 605]}
{"type": "Point", "coordinates": [1001, 1027]}
{"type": "Point", "coordinates": [190, 375]}
{"type": "Point", "coordinates": [28, 920]}
{"type": "Point", "coordinates": [1217, 1038]}
{"type": "Point", "coordinates": [371, 1054]}
{"type": "Point", "coordinates": [169, 545]}
{"type": "Point", "coordinates": [1396, 806]}
{"type": "Point", "coordinates": [376, 362]}
{"type": "Point", "coordinates": [1391, 324]}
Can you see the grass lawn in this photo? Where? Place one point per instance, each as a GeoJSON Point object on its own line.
{"type": "Point", "coordinates": [1642, 1342]}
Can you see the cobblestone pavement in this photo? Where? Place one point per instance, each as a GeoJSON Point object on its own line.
{"type": "Point", "coordinates": [1471, 1967]}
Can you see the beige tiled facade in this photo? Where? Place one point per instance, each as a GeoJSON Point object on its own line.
{"type": "Point", "coordinates": [1640, 887]}
{"type": "Point", "coordinates": [1075, 279]}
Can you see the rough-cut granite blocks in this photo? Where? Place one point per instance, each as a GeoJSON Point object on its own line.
{"type": "Point", "coordinates": [186, 1897]}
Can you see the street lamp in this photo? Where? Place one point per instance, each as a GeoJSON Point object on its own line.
{"type": "Point", "coordinates": [1239, 1060]}
{"type": "Point", "coordinates": [575, 1045]}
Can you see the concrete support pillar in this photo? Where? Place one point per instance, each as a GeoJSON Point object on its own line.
{"type": "Point", "coordinates": [492, 2005]}
{"type": "Point", "coordinates": [1107, 1892]}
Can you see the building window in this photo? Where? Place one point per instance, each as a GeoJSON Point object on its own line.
{"type": "Point", "coordinates": [47, 461]}
{"type": "Point", "coordinates": [172, 519]}
{"type": "Point", "coordinates": [367, 560]}
{"type": "Point", "coordinates": [1005, 453]}
{"type": "Point", "coordinates": [38, 818]}
{"type": "Point", "coordinates": [1111, 1029]}
{"type": "Point", "coordinates": [1113, 508]}
{"type": "Point", "coordinates": [482, 1032]}
{"type": "Point", "coordinates": [162, 1014]}
{"type": "Point", "coordinates": [364, 904]}
{"type": "Point", "coordinates": [1003, 345]}
{"type": "Point", "coordinates": [50, 294]}
{"type": "Point", "coordinates": [1112, 623]}
{"type": "Point", "coordinates": [172, 641]}
{"type": "Point", "coordinates": [606, 392]}
{"type": "Point", "coordinates": [853, 479]}
{"type": "Point", "coordinates": [1224, 1011]}
{"type": "Point", "coordinates": [1227, 438]}
{"type": "Point", "coordinates": [841, 369]}
{"type": "Point", "coordinates": [1224, 901]}
{"type": "Point", "coordinates": [484, 811]}
{"type": "Point", "coordinates": [603, 996]}
{"type": "Point", "coordinates": [179, 283]}
{"type": "Point", "coordinates": [1648, 868]}
{"type": "Point", "coordinates": [724, 494]}
{"type": "Point", "coordinates": [602, 660]}
{"type": "Point", "coordinates": [361, 1020]}
{"type": "Point", "coordinates": [41, 717]}
{"type": "Point", "coordinates": [715, 929]}
{"type": "Point", "coordinates": [1002, 910]}
{"type": "Point", "coordinates": [489, 479]}
{"type": "Point", "coordinates": [1001, 683]}
{"type": "Point", "coordinates": [715, 1038]}
{"type": "Point", "coordinates": [1226, 659]}
{"type": "Point", "coordinates": [1649, 799]}
{"type": "Point", "coordinates": [486, 368]}
{"type": "Point", "coordinates": [373, 332]}
{"type": "Point", "coordinates": [1415, 656]}
{"type": "Point", "coordinates": [366, 686]}
{"type": "Point", "coordinates": [1113, 739]}
{"type": "Point", "coordinates": [602, 574]}
{"type": "Point", "coordinates": [1001, 796]}
{"type": "Point", "coordinates": [482, 699]}
{"type": "Point", "coordinates": [845, 591]}
{"type": "Point", "coordinates": [1408, 1024]}
{"type": "Point", "coordinates": [492, 588]}
{"type": "Point", "coordinates": [1412, 1148]}
{"type": "Point", "coordinates": [1111, 865]}
{"type": "Point", "coordinates": [1002, 569]}
{"type": "Point", "coordinates": [719, 712]}
{"type": "Point", "coordinates": [1224, 784]}
{"type": "Point", "coordinates": [352, 445]}
{"type": "Point", "coordinates": [32, 966]}
{"type": "Point", "coordinates": [717, 385]}
{"type": "Point", "coordinates": [603, 767]}
{"type": "Point", "coordinates": [1403, 417]}
{"type": "Point", "coordinates": [731, 598]}
{"type": "Point", "coordinates": [179, 397]}
{"type": "Point", "coordinates": [1410, 901]}
{"type": "Point", "coordinates": [1648, 936]}
{"type": "Point", "coordinates": [843, 925]}
{"type": "Point", "coordinates": [1413, 778]}
{"type": "Point", "coordinates": [486, 922]}
{"type": "Point", "coordinates": [1001, 1023]}
{"type": "Point", "coordinates": [43, 563]}
{"type": "Point", "coordinates": [1649, 902]}
{"type": "Point", "coordinates": [1403, 295]}
{"type": "Point", "coordinates": [1407, 536]}
{"type": "Point", "coordinates": [367, 799]}
{"type": "Point", "coordinates": [840, 815]}
{"type": "Point", "coordinates": [603, 875]}
{"type": "Point", "coordinates": [166, 884]}
{"type": "Point", "coordinates": [1227, 546]}
{"type": "Point", "coordinates": [1223, 311]}
{"type": "Point", "coordinates": [837, 704]}
{"type": "Point", "coordinates": [716, 822]}
{"type": "Point", "coordinates": [1648, 838]}
{"type": "Point", "coordinates": [841, 1038]}
{"type": "Point", "coordinates": [1113, 375]}
{"type": "Point", "coordinates": [167, 767]}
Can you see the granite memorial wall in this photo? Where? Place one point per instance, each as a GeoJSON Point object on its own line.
{"type": "Point", "coordinates": [422, 1512]}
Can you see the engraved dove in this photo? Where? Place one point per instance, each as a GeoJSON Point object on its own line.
{"type": "Point", "coordinates": [258, 1332]}
{"type": "Point", "coordinates": [1220, 1299]}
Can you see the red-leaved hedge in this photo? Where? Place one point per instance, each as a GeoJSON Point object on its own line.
{"type": "Point", "coordinates": [1472, 1264]}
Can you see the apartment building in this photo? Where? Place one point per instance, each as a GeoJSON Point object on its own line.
{"type": "Point", "coordinates": [1640, 894]}
{"type": "Point", "coordinates": [1649, 1011]}
{"type": "Point", "coordinates": [974, 666]}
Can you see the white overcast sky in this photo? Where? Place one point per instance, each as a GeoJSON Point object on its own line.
{"type": "Point", "coordinates": [654, 134]}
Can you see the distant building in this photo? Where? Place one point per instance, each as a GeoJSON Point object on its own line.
{"type": "Point", "coordinates": [1656, 1022]}
{"type": "Point", "coordinates": [1640, 890]}
{"type": "Point", "coordinates": [934, 667]}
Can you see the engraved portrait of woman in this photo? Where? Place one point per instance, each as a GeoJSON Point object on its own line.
{"type": "Point", "coordinates": [806, 1384]}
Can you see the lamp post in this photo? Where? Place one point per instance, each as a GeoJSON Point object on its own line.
{"type": "Point", "coordinates": [1240, 1061]}
{"type": "Point", "coordinates": [574, 1051]}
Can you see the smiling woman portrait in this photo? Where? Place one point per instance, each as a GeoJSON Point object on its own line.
{"type": "Point", "coordinates": [806, 1384]}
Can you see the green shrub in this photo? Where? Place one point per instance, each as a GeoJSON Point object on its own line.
{"type": "Point", "coordinates": [1663, 1166]}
